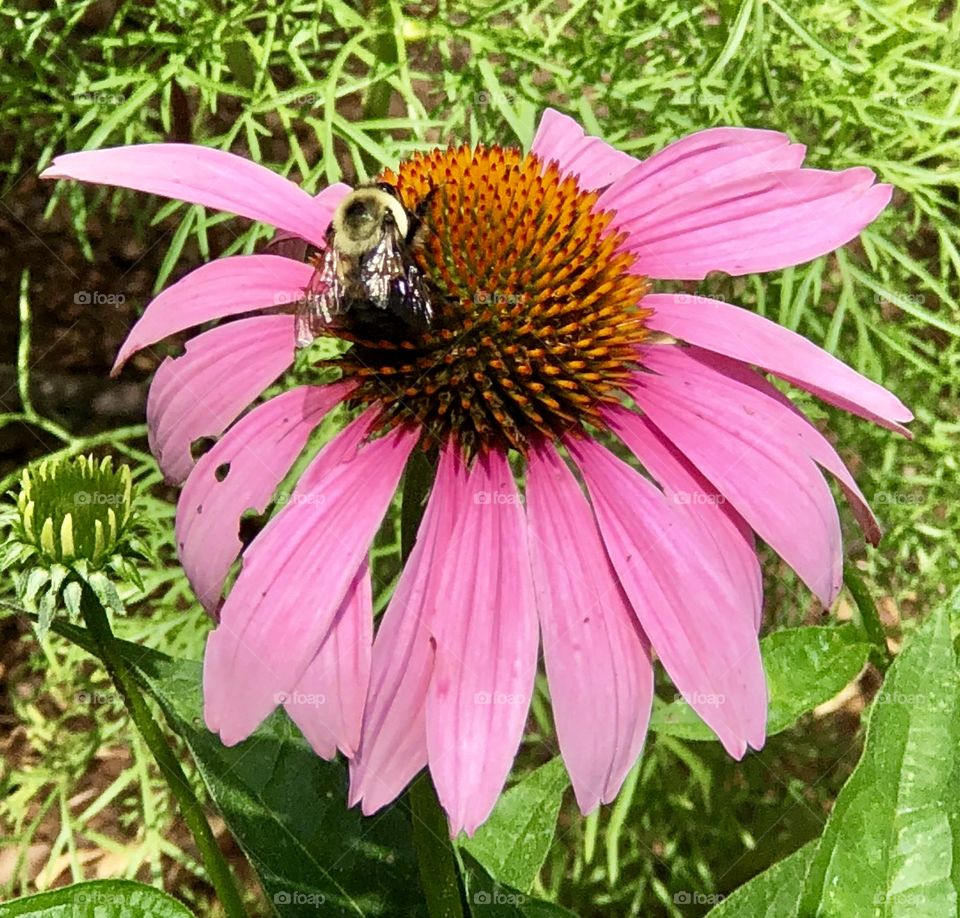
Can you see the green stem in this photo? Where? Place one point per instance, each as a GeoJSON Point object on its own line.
{"type": "Point", "coordinates": [438, 865]}
{"type": "Point", "coordinates": [435, 854]}
{"type": "Point", "coordinates": [869, 617]}
{"type": "Point", "coordinates": [95, 618]}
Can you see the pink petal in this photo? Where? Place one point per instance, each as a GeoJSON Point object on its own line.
{"type": "Point", "coordinates": [327, 701]}
{"type": "Point", "coordinates": [744, 335]}
{"type": "Point", "coordinates": [484, 626]}
{"type": "Point", "coordinates": [677, 583]}
{"type": "Point", "coordinates": [220, 288]}
{"type": "Point", "coordinates": [597, 659]}
{"type": "Point", "coordinates": [393, 746]}
{"type": "Point", "coordinates": [762, 222]}
{"type": "Point", "coordinates": [200, 175]}
{"type": "Point", "coordinates": [741, 442]}
{"type": "Point", "coordinates": [695, 497]}
{"type": "Point", "coordinates": [593, 162]}
{"type": "Point", "coordinates": [697, 163]}
{"type": "Point", "coordinates": [256, 454]}
{"type": "Point", "coordinates": [793, 420]}
{"type": "Point", "coordinates": [295, 576]}
{"type": "Point", "coordinates": [200, 393]}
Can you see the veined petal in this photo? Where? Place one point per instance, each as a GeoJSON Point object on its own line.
{"type": "Point", "coordinates": [295, 576]}
{"type": "Point", "coordinates": [744, 335]}
{"type": "Point", "coordinates": [200, 175]}
{"type": "Point", "coordinates": [739, 441]}
{"type": "Point", "coordinates": [678, 587]}
{"type": "Point", "coordinates": [220, 288]}
{"type": "Point", "coordinates": [593, 162]}
{"type": "Point", "coordinates": [758, 223]}
{"type": "Point", "coordinates": [694, 164]}
{"type": "Point", "coordinates": [201, 392]}
{"type": "Point", "coordinates": [393, 746]}
{"type": "Point", "coordinates": [597, 659]}
{"type": "Point", "coordinates": [484, 625]}
{"type": "Point", "coordinates": [797, 425]}
{"type": "Point", "coordinates": [326, 703]}
{"type": "Point", "coordinates": [241, 472]}
{"type": "Point", "coordinates": [700, 501]}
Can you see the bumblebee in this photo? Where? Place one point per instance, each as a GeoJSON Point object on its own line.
{"type": "Point", "coordinates": [367, 281]}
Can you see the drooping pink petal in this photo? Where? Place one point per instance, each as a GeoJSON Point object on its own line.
{"type": "Point", "coordinates": [295, 576]}
{"type": "Point", "coordinates": [597, 659]}
{"type": "Point", "coordinates": [484, 625]}
{"type": "Point", "coordinates": [796, 423]}
{"type": "Point", "coordinates": [685, 602]}
{"type": "Point", "coordinates": [762, 222]}
{"type": "Point", "coordinates": [746, 336]}
{"type": "Point", "coordinates": [200, 175]}
{"type": "Point", "coordinates": [593, 162]}
{"type": "Point", "coordinates": [393, 746]}
{"type": "Point", "coordinates": [201, 392]}
{"type": "Point", "coordinates": [696, 163]}
{"type": "Point", "coordinates": [326, 703]}
{"type": "Point", "coordinates": [739, 441]}
{"type": "Point", "coordinates": [225, 287]}
{"type": "Point", "coordinates": [700, 501]}
{"type": "Point", "coordinates": [239, 473]}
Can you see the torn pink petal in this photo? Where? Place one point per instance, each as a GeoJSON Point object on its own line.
{"type": "Point", "coordinates": [241, 472]}
{"type": "Point", "coordinates": [393, 746]}
{"type": "Point", "coordinates": [694, 496]}
{"type": "Point", "coordinates": [590, 160]}
{"type": "Point", "coordinates": [689, 608]}
{"type": "Point", "coordinates": [201, 392]}
{"type": "Point", "coordinates": [484, 625]}
{"type": "Point", "coordinates": [201, 175]}
{"type": "Point", "coordinates": [746, 336]}
{"type": "Point", "coordinates": [597, 659]}
{"type": "Point", "coordinates": [737, 439]}
{"type": "Point", "coordinates": [295, 576]}
{"type": "Point", "coordinates": [327, 701]}
{"type": "Point", "coordinates": [225, 287]}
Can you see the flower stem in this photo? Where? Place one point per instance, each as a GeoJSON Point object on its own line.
{"type": "Point", "coordinates": [869, 617]}
{"type": "Point", "coordinates": [435, 855]}
{"type": "Point", "coordinates": [95, 618]}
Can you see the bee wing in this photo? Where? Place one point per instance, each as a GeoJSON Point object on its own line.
{"type": "Point", "coordinates": [392, 280]}
{"type": "Point", "coordinates": [321, 299]}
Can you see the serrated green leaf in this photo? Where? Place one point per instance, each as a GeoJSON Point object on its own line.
{"type": "Point", "coordinates": [773, 893]}
{"type": "Point", "coordinates": [98, 899]}
{"type": "Point", "coordinates": [892, 843]}
{"type": "Point", "coordinates": [513, 843]}
{"type": "Point", "coordinates": [805, 667]}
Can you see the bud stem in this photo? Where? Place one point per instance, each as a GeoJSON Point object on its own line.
{"type": "Point", "coordinates": [95, 618]}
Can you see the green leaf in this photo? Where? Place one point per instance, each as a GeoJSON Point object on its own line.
{"type": "Point", "coordinates": [99, 899]}
{"type": "Point", "coordinates": [773, 893]}
{"type": "Point", "coordinates": [286, 807]}
{"type": "Point", "coordinates": [892, 843]}
{"type": "Point", "coordinates": [805, 667]}
{"type": "Point", "coordinates": [513, 843]}
{"type": "Point", "coordinates": [489, 899]}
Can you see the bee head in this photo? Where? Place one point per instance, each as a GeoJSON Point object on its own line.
{"type": "Point", "coordinates": [364, 215]}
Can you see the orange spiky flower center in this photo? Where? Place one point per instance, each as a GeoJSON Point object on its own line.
{"type": "Point", "coordinates": [537, 316]}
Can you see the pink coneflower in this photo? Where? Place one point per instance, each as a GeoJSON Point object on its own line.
{"type": "Point", "coordinates": [549, 356]}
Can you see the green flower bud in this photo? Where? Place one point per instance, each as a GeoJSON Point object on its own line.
{"type": "Point", "coordinates": [74, 520]}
